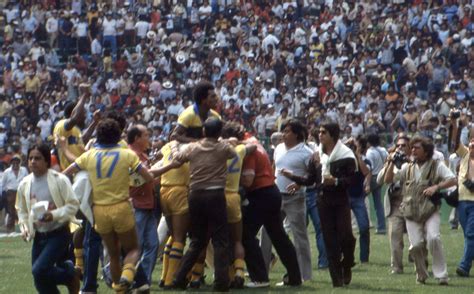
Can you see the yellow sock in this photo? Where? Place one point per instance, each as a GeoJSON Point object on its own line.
{"type": "Point", "coordinates": [128, 272]}
{"type": "Point", "coordinates": [79, 258]}
{"type": "Point", "coordinates": [175, 256]}
{"type": "Point", "coordinates": [166, 258]}
{"type": "Point", "coordinates": [239, 266]}
{"type": "Point", "coordinates": [119, 289]}
{"type": "Point", "coordinates": [197, 271]}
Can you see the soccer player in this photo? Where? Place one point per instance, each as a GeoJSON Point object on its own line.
{"type": "Point", "coordinates": [174, 205]}
{"type": "Point", "coordinates": [234, 213]}
{"type": "Point", "coordinates": [190, 121]}
{"type": "Point", "coordinates": [109, 167]}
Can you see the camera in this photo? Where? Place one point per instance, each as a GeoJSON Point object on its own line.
{"type": "Point", "coordinates": [469, 185]}
{"type": "Point", "coordinates": [399, 158]}
{"type": "Point", "coordinates": [455, 113]}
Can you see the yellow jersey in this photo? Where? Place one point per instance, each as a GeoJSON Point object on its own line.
{"type": "Point", "coordinates": [174, 177]}
{"type": "Point", "coordinates": [234, 169]}
{"type": "Point", "coordinates": [73, 141]}
{"type": "Point", "coordinates": [109, 170]}
{"type": "Point", "coordinates": [191, 120]}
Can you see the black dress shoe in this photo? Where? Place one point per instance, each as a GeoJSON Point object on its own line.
{"type": "Point", "coordinates": [347, 272]}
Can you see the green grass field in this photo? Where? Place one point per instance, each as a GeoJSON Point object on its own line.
{"type": "Point", "coordinates": [373, 277]}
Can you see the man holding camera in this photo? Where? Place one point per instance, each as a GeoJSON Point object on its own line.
{"type": "Point", "coordinates": [466, 197]}
{"type": "Point", "coordinates": [396, 221]}
{"type": "Point", "coordinates": [421, 180]}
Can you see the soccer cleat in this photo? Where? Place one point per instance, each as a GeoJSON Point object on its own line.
{"type": "Point", "coordinates": [238, 283]}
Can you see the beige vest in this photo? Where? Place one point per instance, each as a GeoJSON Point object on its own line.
{"type": "Point", "coordinates": [415, 206]}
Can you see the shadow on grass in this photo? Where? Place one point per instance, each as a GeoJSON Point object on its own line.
{"type": "Point", "coordinates": [365, 287]}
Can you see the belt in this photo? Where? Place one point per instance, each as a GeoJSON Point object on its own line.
{"type": "Point", "coordinates": [53, 233]}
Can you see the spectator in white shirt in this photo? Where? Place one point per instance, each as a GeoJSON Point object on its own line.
{"type": "Point", "coordinates": [377, 156]}
{"type": "Point", "coordinates": [46, 125]}
{"type": "Point", "coordinates": [96, 47]}
{"type": "Point", "coordinates": [109, 26]}
{"type": "Point", "coordinates": [82, 34]}
{"type": "Point", "coordinates": [10, 181]}
{"type": "Point", "coordinates": [52, 27]}
{"type": "Point", "coordinates": [142, 27]}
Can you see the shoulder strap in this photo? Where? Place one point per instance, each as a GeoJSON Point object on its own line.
{"type": "Point", "coordinates": [432, 172]}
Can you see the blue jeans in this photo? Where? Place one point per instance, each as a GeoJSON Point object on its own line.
{"type": "Point", "coordinates": [147, 225]}
{"type": "Point", "coordinates": [378, 205]}
{"type": "Point", "coordinates": [48, 259]}
{"type": "Point", "coordinates": [112, 40]}
{"type": "Point", "coordinates": [312, 212]}
{"type": "Point", "coordinates": [466, 218]}
{"type": "Point", "coordinates": [92, 252]}
{"type": "Point", "coordinates": [362, 218]}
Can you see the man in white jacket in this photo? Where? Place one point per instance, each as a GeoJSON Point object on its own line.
{"type": "Point", "coordinates": [46, 204]}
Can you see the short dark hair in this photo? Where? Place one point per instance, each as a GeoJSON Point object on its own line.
{"type": "Point", "coordinates": [44, 150]}
{"type": "Point", "coordinates": [233, 129]}
{"type": "Point", "coordinates": [68, 109]}
{"type": "Point", "coordinates": [333, 130]}
{"type": "Point", "coordinates": [297, 128]}
{"type": "Point", "coordinates": [119, 117]}
{"type": "Point", "coordinates": [133, 133]}
{"type": "Point", "coordinates": [426, 144]}
{"type": "Point", "coordinates": [374, 140]}
{"type": "Point", "coordinates": [108, 132]}
{"type": "Point", "coordinates": [201, 91]}
{"type": "Point", "coordinates": [212, 127]}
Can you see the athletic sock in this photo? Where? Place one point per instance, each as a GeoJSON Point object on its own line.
{"type": "Point", "coordinates": [197, 271]}
{"type": "Point", "coordinates": [239, 266]}
{"type": "Point", "coordinates": [166, 258]}
{"type": "Point", "coordinates": [175, 256]}
{"type": "Point", "coordinates": [78, 255]}
{"type": "Point", "coordinates": [128, 272]}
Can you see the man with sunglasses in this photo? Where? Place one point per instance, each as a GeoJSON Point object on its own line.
{"type": "Point", "coordinates": [392, 201]}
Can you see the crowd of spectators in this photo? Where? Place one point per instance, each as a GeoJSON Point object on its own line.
{"type": "Point", "coordinates": [372, 66]}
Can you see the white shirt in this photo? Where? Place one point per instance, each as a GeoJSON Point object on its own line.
{"type": "Point", "coordinates": [10, 181]}
{"type": "Point", "coordinates": [52, 25]}
{"type": "Point", "coordinates": [109, 27]}
{"type": "Point", "coordinates": [295, 159]}
{"type": "Point", "coordinates": [96, 48]}
{"type": "Point", "coordinates": [45, 126]}
{"type": "Point", "coordinates": [142, 28]}
{"type": "Point", "coordinates": [376, 156]}
{"type": "Point", "coordinates": [442, 171]}
{"type": "Point", "coordinates": [81, 29]}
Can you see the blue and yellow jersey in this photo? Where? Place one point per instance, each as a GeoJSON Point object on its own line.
{"type": "Point", "coordinates": [109, 170]}
{"type": "Point", "coordinates": [191, 120]}
{"type": "Point", "coordinates": [174, 177]}
{"type": "Point", "coordinates": [73, 139]}
{"type": "Point", "coordinates": [234, 169]}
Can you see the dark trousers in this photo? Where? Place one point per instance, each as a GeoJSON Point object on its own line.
{"type": "Point", "coordinates": [92, 252]}
{"type": "Point", "coordinates": [340, 243]}
{"type": "Point", "coordinates": [48, 259]}
{"type": "Point", "coordinates": [264, 209]}
{"type": "Point", "coordinates": [207, 210]}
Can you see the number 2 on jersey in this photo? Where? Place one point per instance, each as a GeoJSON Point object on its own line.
{"type": "Point", "coordinates": [232, 166]}
{"type": "Point", "coordinates": [100, 156]}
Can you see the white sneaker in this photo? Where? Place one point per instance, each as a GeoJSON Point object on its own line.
{"type": "Point", "coordinates": [253, 284]}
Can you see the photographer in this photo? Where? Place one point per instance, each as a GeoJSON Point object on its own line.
{"type": "Point", "coordinates": [466, 196]}
{"type": "Point", "coordinates": [392, 201]}
{"type": "Point", "coordinates": [420, 181]}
